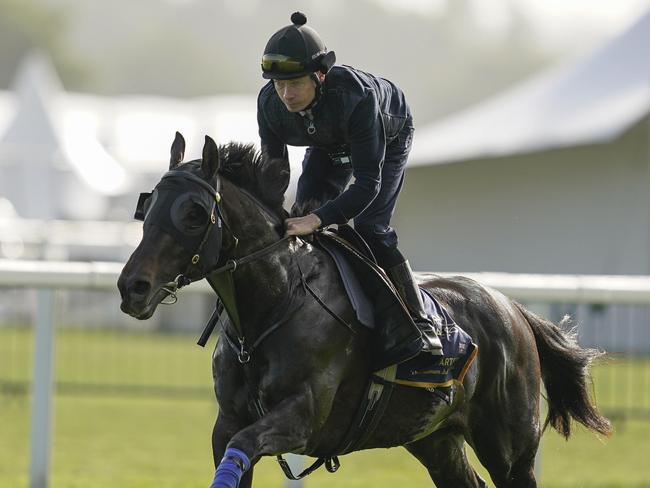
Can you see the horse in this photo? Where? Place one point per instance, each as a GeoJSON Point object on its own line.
{"type": "Point", "coordinates": [221, 218]}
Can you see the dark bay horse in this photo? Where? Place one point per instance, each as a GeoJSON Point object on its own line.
{"type": "Point", "coordinates": [308, 370]}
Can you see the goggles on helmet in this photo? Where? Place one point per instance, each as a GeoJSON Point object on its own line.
{"type": "Point", "coordinates": [278, 63]}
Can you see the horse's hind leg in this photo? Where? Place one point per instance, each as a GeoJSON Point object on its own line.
{"type": "Point", "coordinates": [506, 445]}
{"type": "Point", "coordinates": [443, 454]}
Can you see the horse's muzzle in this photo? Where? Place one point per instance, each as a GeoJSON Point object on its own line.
{"type": "Point", "coordinates": [136, 299]}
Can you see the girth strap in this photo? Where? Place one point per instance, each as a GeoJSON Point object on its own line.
{"type": "Point", "coordinates": [366, 420]}
{"type": "Point", "coordinates": [332, 464]}
{"type": "Point", "coordinates": [371, 410]}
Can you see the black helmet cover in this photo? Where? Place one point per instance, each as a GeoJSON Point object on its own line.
{"type": "Point", "coordinates": [294, 51]}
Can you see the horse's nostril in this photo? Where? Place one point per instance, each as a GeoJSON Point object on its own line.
{"type": "Point", "coordinates": [141, 287]}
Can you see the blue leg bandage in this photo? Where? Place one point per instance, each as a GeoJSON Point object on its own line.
{"type": "Point", "coordinates": [232, 467]}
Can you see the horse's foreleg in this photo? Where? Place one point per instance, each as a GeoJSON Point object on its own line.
{"type": "Point", "coordinates": [223, 431]}
{"type": "Point", "coordinates": [284, 429]}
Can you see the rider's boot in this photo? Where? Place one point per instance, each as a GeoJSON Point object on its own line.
{"type": "Point", "coordinates": [402, 277]}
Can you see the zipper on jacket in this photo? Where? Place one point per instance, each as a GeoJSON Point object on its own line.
{"type": "Point", "coordinates": [309, 122]}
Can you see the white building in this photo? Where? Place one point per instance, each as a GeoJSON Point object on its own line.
{"type": "Point", "coordinates": [70, 155]}
{"type": "Point", "coordinates": [553, 176]}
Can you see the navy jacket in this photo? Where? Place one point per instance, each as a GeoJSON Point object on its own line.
{"type": "Point", "coordinates": [357, 113]}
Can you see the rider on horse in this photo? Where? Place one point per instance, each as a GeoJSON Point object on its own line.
{"type": "Point", "coordinates": [354, 124]}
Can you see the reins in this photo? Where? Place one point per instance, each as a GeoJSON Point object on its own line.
{"type": "Point", "coordinates": [243, 353]}
{"type": "Point", "coordinates": [171, 287]}
{"type": "Point", "coordinates": [232, 264]}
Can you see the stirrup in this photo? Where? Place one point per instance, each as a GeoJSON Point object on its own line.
{"type": "Point", "coordinates": [432, 347]}
{"type": "Point", "coordinates": [430, 340]}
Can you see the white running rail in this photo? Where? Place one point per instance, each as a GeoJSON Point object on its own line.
{"type": "Point", "coordinates": [47, 276]}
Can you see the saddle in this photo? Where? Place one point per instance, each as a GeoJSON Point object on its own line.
{"type": "Point", "coordinates": [376, 302]}
{"type": "Point", "coordinates": [360, 275]}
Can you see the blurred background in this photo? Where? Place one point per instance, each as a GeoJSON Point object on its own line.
{"type": "Point", "coordinates": [531, 157]}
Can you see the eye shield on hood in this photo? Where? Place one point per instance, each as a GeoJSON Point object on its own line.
{"type": "Point", "coordinates": [186, 212]}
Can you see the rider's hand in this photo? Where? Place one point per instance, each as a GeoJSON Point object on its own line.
{"type": "Point", "coordinates": [302, 226]}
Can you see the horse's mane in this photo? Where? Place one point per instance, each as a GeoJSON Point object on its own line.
{"type": "Point", "coordinates": [265, 178]}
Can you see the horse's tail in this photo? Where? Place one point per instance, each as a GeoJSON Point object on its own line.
{"type": "Point", "coordinates": [565, 371]}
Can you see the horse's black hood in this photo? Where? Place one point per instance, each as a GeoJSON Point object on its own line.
{"type": "Point", "coordinates": [185, 207]}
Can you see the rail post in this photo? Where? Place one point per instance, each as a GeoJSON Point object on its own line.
{"type": "Point", "coordinates": [296, 464]}
{"type": "Point", "coordinates": [42, 387]}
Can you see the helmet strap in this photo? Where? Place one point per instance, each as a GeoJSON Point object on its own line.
{"type": "Point", "coordinates": [319, 91]}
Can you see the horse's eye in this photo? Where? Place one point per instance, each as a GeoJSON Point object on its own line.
{"type": "Point", "coordinates": [196, 217]}
{"type": "Point", "coordinates": [188, 215]}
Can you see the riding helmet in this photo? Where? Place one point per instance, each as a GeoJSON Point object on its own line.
{"type": "Point", "coordinates": [294, 51]}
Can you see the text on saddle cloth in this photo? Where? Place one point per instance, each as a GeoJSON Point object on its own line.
{"type": "Point", "coordinates": [459, 352]}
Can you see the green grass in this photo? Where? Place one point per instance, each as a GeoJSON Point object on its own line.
{"type": "Point", "coordinates": [111, 358]}
{"type": "Point", "coordinates": [139, 442]}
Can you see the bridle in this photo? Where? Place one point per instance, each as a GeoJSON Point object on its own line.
{"type": "Point", "coordinates": [205, 261]}
{"type": "Point", "coordinates": [211, 255]}
{"type": "Point", "coordinates": [197, 244]}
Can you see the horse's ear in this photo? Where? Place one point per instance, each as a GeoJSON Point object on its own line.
{"type": "Point", "coordinates": [178, 151]}
{"type": "Point", "coordinates": [210, 161]}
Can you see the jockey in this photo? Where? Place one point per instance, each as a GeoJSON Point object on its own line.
{"type": "Point", "coordinates": [354, 124]}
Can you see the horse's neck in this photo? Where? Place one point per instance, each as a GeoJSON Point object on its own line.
{"type": "Point", "coordinates": [249, 221]}
{"type": "Point", "coordinates": [264, 287]}
{"type": "Point", "coordinates": [261, 285]}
